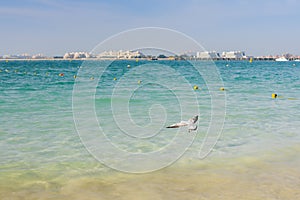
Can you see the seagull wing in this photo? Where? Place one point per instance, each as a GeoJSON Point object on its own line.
{"type": "Point", "coordinates": [192, 127]}
{"type": "Point", "coordinates": [177, 125]}
{"type": "Point", "coordinates": [193, 120]}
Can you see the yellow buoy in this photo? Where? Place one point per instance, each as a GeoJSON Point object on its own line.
{"type": "Point", "coordinates": [274, 96]}
{"type": "Point", "coordinates": [92, 78]}
{"type": "Point", "coordinates": [139, 81]}
{"type": "Point", "coordinates": [115, 79]}
{"type": "Point", "coordinates": [74, 76]}
{"type": "Point", "coordinates": [136, 60]}
{"type": "Point", "coordinates": [251, 60]}
{"type": "Point", "coordinates": [222, 89]}
{"type": "Point", "coordinates": [196, 87]}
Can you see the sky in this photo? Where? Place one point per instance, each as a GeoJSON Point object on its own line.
{"type": "Point", "coordinates": [53, 27]}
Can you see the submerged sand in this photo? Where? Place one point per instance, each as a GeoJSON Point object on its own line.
{"type": "Point", "coordinates": [244, 178]}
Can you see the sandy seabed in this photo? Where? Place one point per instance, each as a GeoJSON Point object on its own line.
{"type": "Point", "coordinates": [244, 178]}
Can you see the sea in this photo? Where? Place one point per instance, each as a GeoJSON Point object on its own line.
{"type": "Point", "coordinates": [73, 129]}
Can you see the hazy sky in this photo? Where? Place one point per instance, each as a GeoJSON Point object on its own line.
{"type": "Point", "coordinates": [53, 27]}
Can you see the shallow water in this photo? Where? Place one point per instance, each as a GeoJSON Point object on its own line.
{"type": "Point", "coordinates": [43, 157]}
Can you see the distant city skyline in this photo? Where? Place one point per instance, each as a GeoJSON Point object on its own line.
{"type": "Point", "coordinates": [54, 27]}
{"type": "Point", "coordinates": [153, 55]}
{"type": "Point", "coordinates": [145, 52]}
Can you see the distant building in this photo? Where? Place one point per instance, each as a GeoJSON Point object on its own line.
{"type": "Point", "coordinates": [108, 55]}
{"type": "Point", "coordinates": [39, 56]}
{"type": "Point", "coordinates": [22, 56]}
{"type": "Point", "coordinates": [190, 54]}
{"type": "Point", "coordinates": [58, 57]}
{"type": "Point", "coordinates": [77, 55]}
{"type": "Point", "coordinates": [207, 55]}
{"type": "Point", "coordinates": [68, 56]}
{"type": "Point", "coordinates": [234, 55]}
{"type": "Point", "coordinates": [287, 55]}
{"type": "Point", "coordinates": [10, 57]}
{"type": "Point", "coordinates": [120, 55]}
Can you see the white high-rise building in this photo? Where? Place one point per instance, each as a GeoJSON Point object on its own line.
{"type": "Point", "coordinates": [234, 55]}
{"type": "Point", "coordinates": [120, 55]}
{"type": "Point", "coordinates": [108, 55]}
{"type": "Point", "coordinates": [76, 55]}
{"type": "Point", "coordinates": [207, 55]}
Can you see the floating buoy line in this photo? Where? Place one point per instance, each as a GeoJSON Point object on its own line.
{"type": "Point", "coordinates": [63, 75]}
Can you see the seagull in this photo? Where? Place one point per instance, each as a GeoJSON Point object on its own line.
{"type": "Point", "coordinates": [190, 123]}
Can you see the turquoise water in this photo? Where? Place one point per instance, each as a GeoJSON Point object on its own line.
{"type": "Point", "coordinates": [39, 140]}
